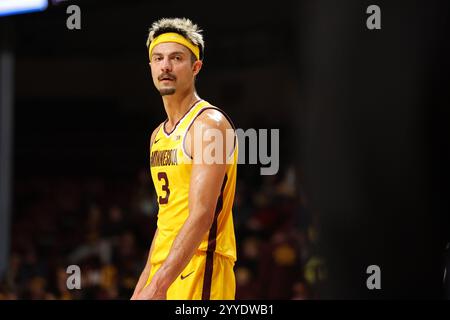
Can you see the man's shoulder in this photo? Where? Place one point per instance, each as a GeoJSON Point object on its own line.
{"type": "Point", "coordinates": [214, 117]}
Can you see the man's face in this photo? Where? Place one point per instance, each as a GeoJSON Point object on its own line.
{"type": "Point", "coordinates": [172, 68]}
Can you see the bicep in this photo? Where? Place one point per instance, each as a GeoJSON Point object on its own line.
{"type": "Point", "coordinates": [205, 188]}
{"type": "Point", "coordinates": [207, 175]}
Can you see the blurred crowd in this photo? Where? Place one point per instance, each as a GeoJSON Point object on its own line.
{"type": "Point", "coordinates": [106, 227]}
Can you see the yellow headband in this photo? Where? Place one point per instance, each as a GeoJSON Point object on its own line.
{"type": "Point", "coordinates": [175, 37]}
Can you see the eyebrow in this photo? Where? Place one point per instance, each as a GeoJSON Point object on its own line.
{"type": "Point", "coordinates": [170, 54]}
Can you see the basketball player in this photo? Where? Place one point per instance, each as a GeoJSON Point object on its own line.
{"type": "Point", "coordinates": [193, 251]}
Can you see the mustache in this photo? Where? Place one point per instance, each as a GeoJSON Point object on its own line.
{"type": "Point", "coordinates": [166, 76]}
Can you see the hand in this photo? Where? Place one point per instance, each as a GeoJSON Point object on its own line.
{"type": "Point", "coordinates": [136, 292]}
{"type": "Point", "coordinates": [151, 292]}
{"type": "Point", "coordinates": [134, 296]}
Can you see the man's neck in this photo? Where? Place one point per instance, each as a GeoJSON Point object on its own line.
{"type": "Point", "coordinates": [176, 107]}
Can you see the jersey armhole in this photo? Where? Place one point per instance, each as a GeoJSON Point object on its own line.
{"type": "Point", "coordinates": [183, 147]}
{"type": "Point", "coordinates": [158, 128]}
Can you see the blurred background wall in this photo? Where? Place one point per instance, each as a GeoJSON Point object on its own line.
{"type": "Point", "coordinates": [376, 144]}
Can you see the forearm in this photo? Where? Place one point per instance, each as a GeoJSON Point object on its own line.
{"type": "Point", "coordinates": [183, 248]}
{"type": "Point", "coordinates": [142, 279]}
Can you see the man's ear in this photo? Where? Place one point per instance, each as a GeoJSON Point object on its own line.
{"type": "Point", "coordinates": [196, 67]}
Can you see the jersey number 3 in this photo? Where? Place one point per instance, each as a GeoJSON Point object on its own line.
{"type": "Point", "coordinates": [165, 188]}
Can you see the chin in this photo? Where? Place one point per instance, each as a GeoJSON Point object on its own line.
{"type": "Point", "coordinates": [166, 91]}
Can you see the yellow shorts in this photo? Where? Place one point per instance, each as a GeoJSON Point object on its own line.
{"type": "Point", "coordinates": [206, 277]}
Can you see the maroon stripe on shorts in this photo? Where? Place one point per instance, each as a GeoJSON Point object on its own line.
{"type": "Point", "coordinates": [207, 279]}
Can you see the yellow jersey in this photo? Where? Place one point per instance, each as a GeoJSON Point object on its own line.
{"type": "Point", "coordinates": [171, 168]}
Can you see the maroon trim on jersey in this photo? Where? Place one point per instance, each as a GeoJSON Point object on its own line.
{"type": "Point", "coordinates": [201, 111]}
{"type": "Point", "coordinates": [176, 124]}
{"type": "Point", "coordinates": [207, 278]}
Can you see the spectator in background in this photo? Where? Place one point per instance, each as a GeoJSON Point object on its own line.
{"type": "Point", "coordinates": [280, 266]}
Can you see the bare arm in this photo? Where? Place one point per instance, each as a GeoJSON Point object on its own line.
{"type": "Point", "coordinates": [146, 272]}
{"type": "Point", "coordinates": [205, 186]}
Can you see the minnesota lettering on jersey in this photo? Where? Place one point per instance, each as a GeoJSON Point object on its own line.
{"type": "Point", "coordinates": [164, 158]}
